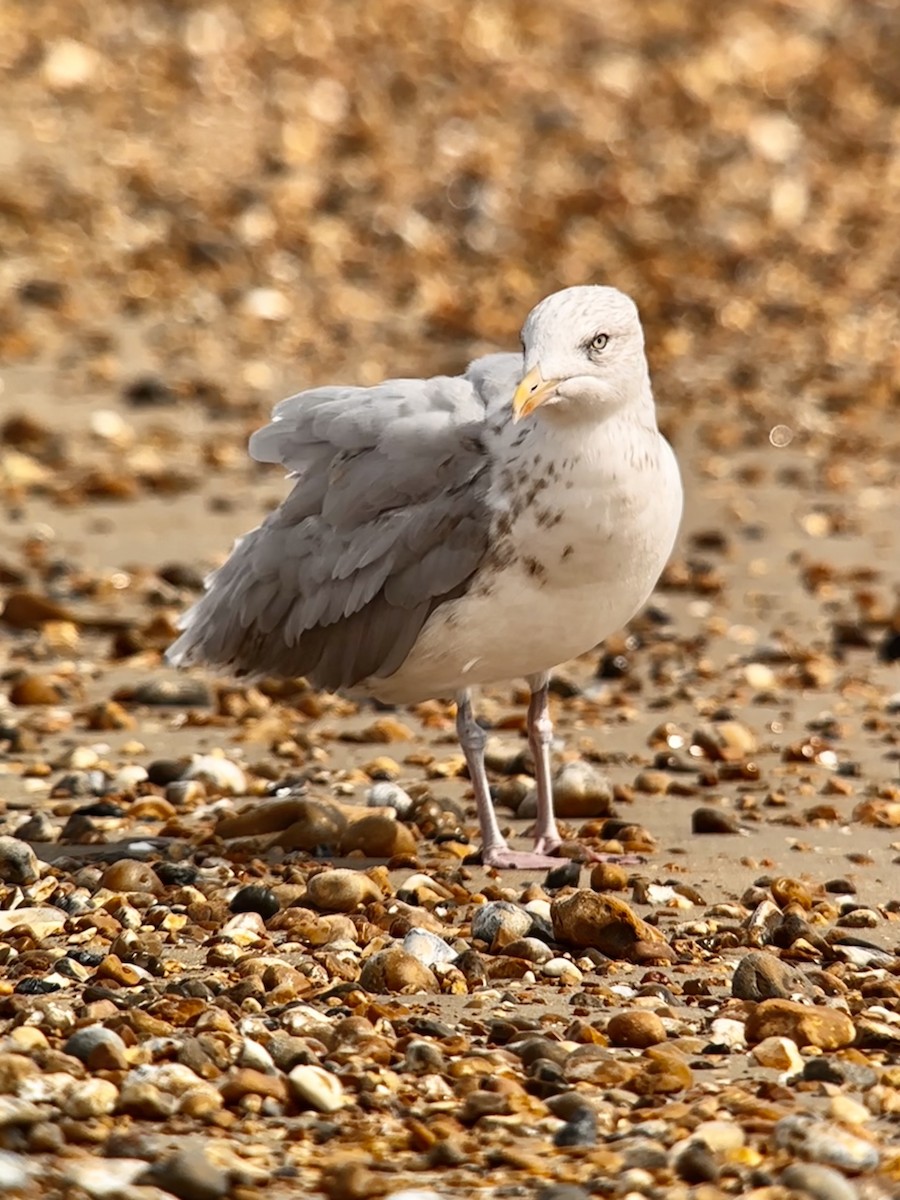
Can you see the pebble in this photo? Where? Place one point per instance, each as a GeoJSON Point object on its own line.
{"type": "Point", "coordinates": [638, 1029]}
{"type": "Point", "coordinates": [395, 971]}
{"type": "Point", "coordinates": [97, 1047]}
{"type": "Point", "coordinates": [804, 1024]}
{"type": "Point", "coordinates": [427, 947]}
{"type": "Point", "coordinates": [607, 924]}
{"type": "Point", "coordinates": [378, 836]}
{"type": "Point", "coordinates": [221, 775]}
{"type": "Point", "coordinates": [500, 918]}
{"type": "Point", "coordinates": [103, 1178]}
{"type": "Point", "coordinates": [580, 1130]}
{"type": "Point", "coordinates": [580, 791]}
{"type": "Point", "coordinates": [609, 877]}
{"type": "Point", "coordinates": [762, 976]}
{"type": "Point", "coordinates": [178, 693]}
{"type": "Point", "coordinates": [696, 1164]}
{"type": "Point", "coordinates": [341, 890]}
{"type": "Point", "coordinates": [713, 820]}
{"type": "Point", "coordinates": [42, 922]}
{"type": "Point", "coordinates": [256, 899]}
{"type": "Point", "coordinates": [384, 794]}
{"type": "Point", "coordinates": [15, 1171]}
{"type": "Point", "coordinates": [131, 875]}
{"type": "Point", "coordinates": [189, 1175]}
{"type": "Point", "coordinates": [563, 969]}
{"type": "Point", "coordinates": [818, 1182]}
{"type": "Point", "coordinates": [317, 1088]}
{"type": "Point", "coordinates": [90, 1098]}
{"type": "Point", "coordinates": [18, 862]}
{"type": "Point", "coordinates": [779, 1053]}
{"type": "Point", "coordinates": [827, 1144]}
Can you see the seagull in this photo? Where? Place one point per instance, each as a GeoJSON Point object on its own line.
{"type": "Point", "coordinates": [457, 531]}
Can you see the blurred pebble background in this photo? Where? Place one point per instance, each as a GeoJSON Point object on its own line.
{"type": "Point", "coordinates": [209, 205]}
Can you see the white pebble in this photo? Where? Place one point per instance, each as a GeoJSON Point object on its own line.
{"type": "Point", "coordinates": [562, 968]}
{"type": "Point", "coordinates": [427, 947]}
{"type": "Point", "coordinates": [318, 1088]}
{"type": "Point", "coordinates": [779, 1053]}
{"type": "Point", "coordinates": [221, 774]}
{"type": "Point", "coordinates": [726, 1031]}
{"type": "Point", "coordinates": [389, 795]}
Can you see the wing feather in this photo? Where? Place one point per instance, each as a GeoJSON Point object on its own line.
{"type": "Point", "coordinates": [387, 519]}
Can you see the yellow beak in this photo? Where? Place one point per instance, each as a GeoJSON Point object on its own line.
{"type": "Point", "coordinates": [532, 391]}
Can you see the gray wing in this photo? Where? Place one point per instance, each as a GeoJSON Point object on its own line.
{"type": "Point", "coordinates": [387, 519]}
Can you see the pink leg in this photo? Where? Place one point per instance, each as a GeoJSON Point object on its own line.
{"type": "Point", "coordinates": [495, 851]}
{"type": "Point", "coordinates": [540, 738]}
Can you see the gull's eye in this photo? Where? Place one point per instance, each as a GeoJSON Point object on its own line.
{"type": "Point", "coordinates": [598, 343]}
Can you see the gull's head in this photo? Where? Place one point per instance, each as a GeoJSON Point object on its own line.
{"type": "Point", "coordinates": [582, 346]}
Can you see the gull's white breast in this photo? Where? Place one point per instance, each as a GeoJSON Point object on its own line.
{"type": "Point", "coordinates": [582, 529]}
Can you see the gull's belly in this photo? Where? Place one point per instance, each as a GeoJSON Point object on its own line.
{"type": "Point", "coordinates": [562, 589]}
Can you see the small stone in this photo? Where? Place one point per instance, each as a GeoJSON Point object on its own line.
{"type": "Point", "coordinates": [246, 1081]}
{"type": "Point", "coordinates": [388, 795]}
{"type": "Point", "coordinates": [580, 1130]}
{"type": "Point", "coordinates": [15, 1171]}
{"type": "Point", "coordinates": [341, 890]}
{"type": "Point", "coordinates": [827, 1144]}
{"type": "Point", "coordinates": [805, 1025]}
{"type": "Point", "coordinates": [179, 693]}
{"type": "Point", "coordinates": [221, 775]}
{"type": "Point", "coordinates": [652, 782]}
{"type": "Point", "coordinates": [787, 891]}
{"type": "Point", "coordinates": [142, 1099]}
{"type": "Point", "coordinates": [127, 779]}
{"type": "Point", "coordinates": [779, 1053]}
{"type": "Point", "coordinates": [531, 949]}
{"type": "Point", "coordinates": [131, 875]}
{"type": "Point", "coordinates": [696, 1164]}
{"type": "Point", "coordinates": [100, 1178]}
{"type": "Point", "coordinates": [302, 824]}
{"type": "Point", "coordinates": [663, 1071]}
{"type": "Point", "coordinates": [818, 1182]}
{"type": "Point", "coordinates": [843, 1072]}
{"type": "Point", "coordinates": [98, 1048]}
{"type": "Point", "coordinates": [762, 976]}
{"type": "Point", "coordinates": [609, 877]}
{"type": "Point", "coordinates": [713, 820]}
{"type": "Point", "coordinates": [722, 1137]}
{"type": "Point", "coordinates": [607, 924]}
{"type": "Point", "coordinates": [18, 862]}
{"type": "Point", "coordinates": [500, 917]}
{"type": "Point", "coordinates": [316, 1088]}
{"type": "Point", "coordinates": [163, 771]}
{"type": "Point", "coordinates": [396, 972]}
{"type": "Point", "coordinates": [848, 1111]}
{"type": "Point", "coordinates": [638, 1029]}
{"type": "Point", "coordinates": [726, 741]}
{"type": "Point", "coordinates": [38, 828]}
{"type": "Point", "coordinates": [41, 922]}
{"type": "Point", "coordinates": [562, 968]}
{"type": "Point", "coordinates": [580, 790]}
{"type": "Point", "coordinates": [427, 947]}
{"type": "Point", "coordinates": [378, 836]}
{"type": "Point", "coordinates": [32, 691]}
{"type": "Point", "coordinates": [567, 874]}
{"type": "Point", "coordinates": [189, 1175]}
{"type": "Point", "coordinates": [562, 1191]}
{"type": "Point", "coordinates": [91, 1098]}
{"type": "Point", "coordinates": [256, 899]}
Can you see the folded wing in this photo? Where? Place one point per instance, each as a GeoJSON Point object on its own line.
{"type": "Point", "coordinates": [386, 520]}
